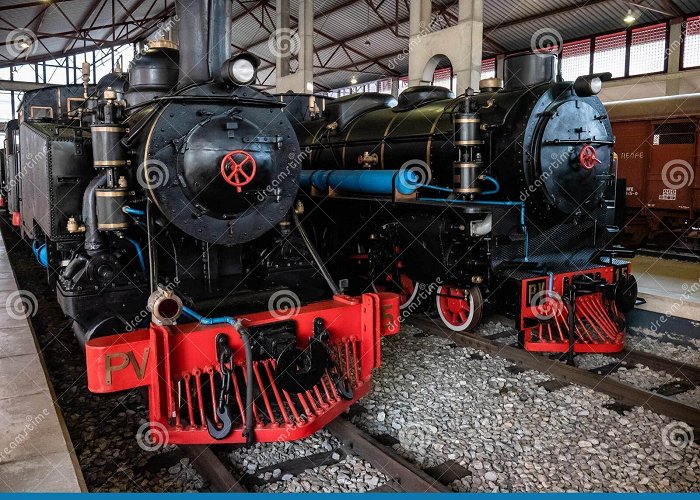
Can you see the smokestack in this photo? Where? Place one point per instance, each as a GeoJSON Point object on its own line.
{"type": "Point", "coordinates": [205, 38]}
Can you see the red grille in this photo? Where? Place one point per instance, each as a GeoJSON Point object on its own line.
{"type": "Point", "coordinates": [596, 331]}
{"type": "Point", "coordinates": [544, 314]}
{"type": "Point", "coordinates": [194, 394]}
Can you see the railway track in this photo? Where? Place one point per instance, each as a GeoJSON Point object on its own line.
{"type": "Point", "coordinates": [622, 392]}
{"type": "Point", "coordinates": [403, 475]}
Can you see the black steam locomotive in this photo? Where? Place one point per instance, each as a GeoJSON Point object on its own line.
{"type": "Point", "coordinates": [161, 203]}
{"type": "Point", "coordinates": [502, 198]}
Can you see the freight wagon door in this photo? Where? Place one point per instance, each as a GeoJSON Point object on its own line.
{"type": "Point", "coordinates": [672, 168]}
{"type": "Point", "coordinates": [633, 145]}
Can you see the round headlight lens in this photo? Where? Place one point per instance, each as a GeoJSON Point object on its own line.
{"type": "Point", "coordinates": [243, 71]}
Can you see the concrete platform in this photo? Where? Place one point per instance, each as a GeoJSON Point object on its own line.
{"type": "Point", "coordinates": [670, 287]}
{"type": "Point", "coordinates": [36, 453]}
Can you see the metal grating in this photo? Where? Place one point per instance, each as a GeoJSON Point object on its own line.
{"type": "Point", "coordinates": [648, 49]}
{"type": "Point", "coordinates": [691, 47]}
{"type": "Point", "coordinates": [488, 68]}
{"type": "Point", "coordinates": [576, 59]}
{"type": "Point", "coordinates": [609, 54]}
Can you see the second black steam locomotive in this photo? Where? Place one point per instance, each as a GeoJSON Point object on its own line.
{"type": "Point", "coordinates": [502, 198]}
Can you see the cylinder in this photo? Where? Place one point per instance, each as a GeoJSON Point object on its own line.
{"type": "Point", "coordinates": [467, 130]}
{"type": "Point", "coordinates": [110, 201]}
{"type": "Point", "coordinates": [107, 148]}
{"type": "Point", "coordinates": [382, 182]}
{"type": "Point", "coordinates": [466, 176]}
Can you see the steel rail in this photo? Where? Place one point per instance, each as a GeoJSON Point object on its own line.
{"type": "Point", "coordinates": [622, 392]}
{"type": "Point", "coordinates": [212, 469]}
{"type": "Point", "coordinates": [409, 477]}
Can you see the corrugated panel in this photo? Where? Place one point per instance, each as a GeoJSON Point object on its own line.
{"type": "Point", "coordinates": [688, 6]}
{"type": "Point", "coordinates": [567, 26]}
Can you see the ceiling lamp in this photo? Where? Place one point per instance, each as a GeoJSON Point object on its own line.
{"type": "Point", "coordinates": [353, 80]}
{"type": "Point", "coordinates": [629, 18]}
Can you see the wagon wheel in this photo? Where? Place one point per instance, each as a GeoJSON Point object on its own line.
{"type": "Point", "coordinates": [460, 309]}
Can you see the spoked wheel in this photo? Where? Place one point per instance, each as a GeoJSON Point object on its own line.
{"type": "Point", "coordinates": [401, 284]}
{"type": "Point", "coordinates": [459, 308]}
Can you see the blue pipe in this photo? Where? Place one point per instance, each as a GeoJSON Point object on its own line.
{"type": "Point", "coordinates": [41, 254]}
{"type": "Point", "coordinates": [496, 185]}
{"type": "Point", "coordinates": [382, 182]}
{"type": "Point", "coordinates": [436, 188]}
{"type": "Point", "coordinates": [139, 252]}
{"type": "Point", "coordinates": [210, 321]}
{"type": "Point", "coordinates": [133, 211]}
{"type": "Point", "coordinates": [519, 204]}
{"type": "Point", "coordinates": [551, 281]}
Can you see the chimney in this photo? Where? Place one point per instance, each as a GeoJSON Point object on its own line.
{"type": "Point", "coordinates": [204, 29]}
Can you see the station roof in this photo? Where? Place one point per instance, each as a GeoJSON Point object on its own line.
{"type": "Point", "coordinates": [352, 38]}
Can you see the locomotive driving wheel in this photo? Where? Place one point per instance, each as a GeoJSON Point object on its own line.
{"type": "Point", "coordinates": [460, 309]}
{"type": "Point", "coordinates": [399, 283]}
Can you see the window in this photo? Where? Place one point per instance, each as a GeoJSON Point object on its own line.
{"type": "Point", "coordinates": [403, 83]}
{"type": "Point", "coordinates": [123, 55]}
{"type": "Point", "coordinates": [691, 43]}
{"type": "Point", "coordinates": [384, 86]}
{"type": "Point", "coordinates": [576, 59]}
{"type": "Point", "coordinates": [5, 73]}
{"type": "Point", "coordinates": [5, 106]}
{"type": "Point", "coordinates": [56, 72]}
{"type": "Point", "coordinates": [24, 73]}
{"type": "Point", "coordinates": [647, 50]}
{"type": "Point", "coordinates": [488, 68]}
{"type": "Point", "coordinates": [443, 77]}
{"type": "Point", "coordinates": [103, 64]}
{"type": "Point", "coordinates": [609, 54]}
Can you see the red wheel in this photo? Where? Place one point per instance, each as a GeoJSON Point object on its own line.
{"type": "Point", "coordinates": [238, 168]}
{"type": "Point", "coordinates": [588, 157]}
{"type": "Point", "coordinates": [460, 309]}
{"type": "Point", "coordinates": [405, 287]}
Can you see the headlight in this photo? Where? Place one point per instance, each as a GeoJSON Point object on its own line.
{"type": "Point", "coordinates": [241, 69]}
